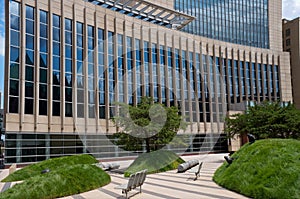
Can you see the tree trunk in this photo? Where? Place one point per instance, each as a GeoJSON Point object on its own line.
{"type": "Point", "coordinates": [148, 145]}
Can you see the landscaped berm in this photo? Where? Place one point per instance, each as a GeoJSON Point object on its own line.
{"type": "Point", "coordinates": [68, 176]}
{"type": "Point", "coordinates": [265, 169]}
{"type": "Point", "coordinates": [155, 162]}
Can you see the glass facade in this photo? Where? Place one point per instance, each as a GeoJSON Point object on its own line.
{"type": "Point", "coordinates": [88, 62]}
{"type": "Point", "coordinates": [237, 21]}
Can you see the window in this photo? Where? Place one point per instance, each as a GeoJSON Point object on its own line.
{"type": "Point", "coordinates": [68, 68]}
{"type": "Point", "coordinates": [288, 42]}
{"type": "Point", "coordinates": [287, 32]}
{"type": "Point", "coordinates": [56, 65]}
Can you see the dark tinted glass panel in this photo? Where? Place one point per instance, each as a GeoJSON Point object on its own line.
{"type": "Point", "coordinates": [79, 41]}
{"type": "Point", "coordinates": [79, 67]}
{"type": "Point", "coordinates": [68, 38]}
{"type": "Point", "coordinates": [68, 80]}
{"type": "Point", "coordinates": [102, 112]}
{"type": "Point", "coordinates": [15, 38]}
{"type": "Point", "coordinates": [43, 31]}
{"type": "Point", "coordinates": [29, 12]}
{"type": "Point", "coordinates": [43, 45]}
{"type": "Point", "coordinates": [56, 34]}
{"type": "Point", "coordinates": [80, 96]}
{"type": "Point", "coordinates": [56, 63]}
{"type": "Point", "coordinates": [79, 82]}
{"type": "Point", "coordinates": [68, 51]}
{"type": "Point", "coordinates": [43, 61]}
{"type": "Point", "coordinates": [28, 89]}
{"type": "Point", "coordinates": [14, 22]}
{"type": "Point", "coordinates": [91, 31]}
{"type": "Point", "coordinates": [29, 27]}
{"type": "Point", "coordinates": [43, 91]}
{"type": "Point", "coordinates": [29, 73]}
{"type": "Point", "coordinates": [69, 110]}
{"type": "Point", "coordinates": [56, 93]}
{"type": "Point", "coordinates": [69, 94]}
{"type": "Point", "coordinates": [56, 108]}
{"type": "Point", "coordinates": [56, 78]}
{"type": "Point", "coordinates": [68, 24]}
{"type": "Point", "coordinates": [91, 111]}
{"type": "Point", "coordinates": [80, 28]}
{"type": "Point", "coordinates": [29, 57]}
{"type": "Point", "coordinates": [80, 110]}
{"type": "Point", "coordinates": [14, 88]}
{"type": "Point", "coordinates": [14, 8]}
{"type": "Point", "coordinates": [43, 17]}
{"type": "Point", "coordinates": [56, 21]}
{"type": "Point", "coordinates": [79, 54]}
{"type": "Point", "coordinates": [43, 107]}
{"type": "Point", "coordinates": [14, 71]}
{"type": "Point", "coordinates": [13, 104]}
{"type": "Point", "coordinates": [28, 106]}
{"type": "Point", "coordinates": [56, 48]}
{"type": "Point", "coordinates": [14, 54]}
{"type": "Point", "coordinates": [68, 65]}
{"type": "Point", "coordinates": [29, 42]}
{"type": "Point", "coordinates": [43, 76]}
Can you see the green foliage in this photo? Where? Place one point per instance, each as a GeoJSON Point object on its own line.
{"type": "Point", "coordinates": [52, 164]}
{"type": "Point", "coordinates": [68, 176]}
{"type": "Point", "coordinates": [266, 120]}
{"type": "Point", "coordinates": [65, 181]}
{"type": "Point", "coordinates": [155, 162]}
{"type": "Point", "coordinates": [265, 169]}
{"type": "Point", "coordinates": [148, 122]}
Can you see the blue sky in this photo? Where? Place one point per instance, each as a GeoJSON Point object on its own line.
{"type": "Point", "coordinates": [291, 10]}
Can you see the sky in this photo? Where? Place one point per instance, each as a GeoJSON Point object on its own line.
{"type": "Point", "coordinates": [291, 10]}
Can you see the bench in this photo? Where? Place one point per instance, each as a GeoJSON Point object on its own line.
{"type": "Point", "coordinates": [187, 165]}
{"type": "Point", "coordinates": [135, 180]}
{"type": "Point", "coordinates": [197, 171]}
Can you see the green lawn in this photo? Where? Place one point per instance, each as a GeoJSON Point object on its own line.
{"type": "Point", "coordinates": [155, 162]}
{"type": "Point", "coordinates": [52, 164]}
{"type": "Point", "coordinates": [68, 176]}
{"type": "Point", "coordinates": [265, 169]}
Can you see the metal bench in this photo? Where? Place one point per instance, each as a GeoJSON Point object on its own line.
{"type": "Point", "coordinates": [135, 180]}
{"type": "Point", "coordinates": [197, 172]}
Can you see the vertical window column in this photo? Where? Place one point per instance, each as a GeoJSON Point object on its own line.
{"type": "Point", "coordinates": [260, 82]}
{"type": "Point", "coordinates": [14, 68]}
{"type": "Point", "coordinates": [56, 65]}
{"type": "Point", "coordinates": [170, 76]}
{"type": "Point", "coordinates": [29, 61]}
{"type": "Point", "coordinates": [91, 71]}
{"type": "Point", "coordinates": [68, 68]}
{"type": "Point", "coordinates": [265, 79]}
{"type": "Point", "coordinates": [111, 72]}
{"type": "Point", "coordinates": [254, 83]}
{"type": "Point", "coordinates": [248, 80]}
{"type": "Point", "coordinates": [154, 72]}
{"type": "Point", "coordinates": [277, 85]}
{"type": "Point", "coordinates": [101, 74]}
{"type": "Point", "coordinates": [146, 67]}
{"type": "Point", "coordinates": [129, 70]}
{"type": "Point", "coordinates": [43, 92]}
{"type": "Point", "coordinates": [121, 72]}
{"type": "Point", "coordinates": [162, 74]}
{"type": "Point", "coordinates": [79, 72]}
{"type": "Point", "coordinates": [138, 64]}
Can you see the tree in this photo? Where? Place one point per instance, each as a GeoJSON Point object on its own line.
{"type": "Point", "coordinates": [151, 123]}
{"type": "Point", "coordinates": [266, 120]}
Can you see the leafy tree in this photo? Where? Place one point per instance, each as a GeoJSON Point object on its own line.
{"type": "Point", "coordinates": [266, 120]}
{"type": "Point", "coordinates": [150, 123]}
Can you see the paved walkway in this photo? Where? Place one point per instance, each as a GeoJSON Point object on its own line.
{"type": "Point", "coordinates": [169, 185]}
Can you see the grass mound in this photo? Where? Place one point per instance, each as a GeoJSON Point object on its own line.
{"type": "Point", "coordinates": [62, 180]}
{"type": "Point", "coordinates": [52, 164]}
{"type": "Point", "coordinates": [265, 169]}
{"type": "Point", "coordinates": [155, 162]}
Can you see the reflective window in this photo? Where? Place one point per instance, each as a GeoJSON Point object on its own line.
{"type": "Point", "coordinates": [68, 68]}
{"type": "Point", "coordinates": [80, 76]}
{"type": "Point", "coordinates": [240, 22]}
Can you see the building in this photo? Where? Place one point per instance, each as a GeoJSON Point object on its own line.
{"type": "Point", "coordinates": [291, 44]}
{"type": "Point", "coordinates": [67, 62]}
